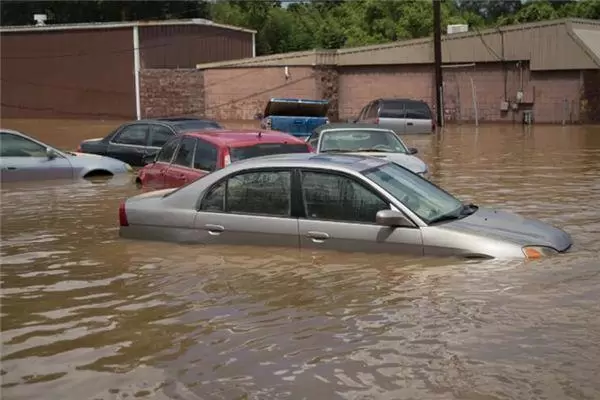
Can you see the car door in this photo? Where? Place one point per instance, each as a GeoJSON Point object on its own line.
{"type": "Point", "coordinates": [340, 215]}
{"type": "Point", "coordinates": [24, 159]}
{"type": "Point", "coordinates": [130, 144]}
{"type": "Point", "coordinates": [391, 115]}
{"type": "Point", "coordinates": [206, 157]}
{"type": "Point", "coordinates": [418, 117]}
{"type": "Point", "coordinates": [178, 172]}
{"type": "Point", "coordinates": [252, 208]}
{"type": "Point", "coordinates": [153, 175]}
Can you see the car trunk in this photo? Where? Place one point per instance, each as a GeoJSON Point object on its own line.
{"type": "Point", "coordinates": [296, 116]}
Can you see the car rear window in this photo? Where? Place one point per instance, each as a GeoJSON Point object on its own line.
{"type": "Point", "coordinates": [266, 149]}
{"type": "Point", "coordinates": [405, 109]}
{"type": "Point", "coordinates": [185, 126]}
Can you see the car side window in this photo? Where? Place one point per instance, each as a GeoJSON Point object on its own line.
{"type": "Point", "coordinates": [135, 135]}
{"type": "Point", "coordinates": [159, 135]}
{"type": "Point", "coordinates": [205, 157]}
{"type": "Point", "coordinates": [185, 153]}
{"type": "Point", "coordinates": [338, 198]}
{"type": "Point", "coordinates": [17, 146]}
{"type": "Point", "coordinates": [373, 110]}
{"type": "Point", "coordinates": [263, 193]}
{"type": "Point", "coordinates": [168, 150]}
{"type": "Point", "coordinates": [215, 198]}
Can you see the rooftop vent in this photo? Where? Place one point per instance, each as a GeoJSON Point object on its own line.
{"type": "Point", "coordinates": [457, 28]}
{"type": "Point", "coordinates": [40, 19]}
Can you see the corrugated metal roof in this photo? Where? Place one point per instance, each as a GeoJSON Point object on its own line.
{"type": "Point", "coordinates": [548, 45]}
{"type": "Point", "coordinates": [116, 25]}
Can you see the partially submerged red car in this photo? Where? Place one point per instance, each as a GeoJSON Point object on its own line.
{"type": "Point", "coordinates": [190, 156]}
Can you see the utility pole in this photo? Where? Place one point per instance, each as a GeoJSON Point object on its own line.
{"type": "Point", "coordinates": [437, 56]}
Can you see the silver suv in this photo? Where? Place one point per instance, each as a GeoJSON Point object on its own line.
{"type": "Point", "coordinates": [403, 116]}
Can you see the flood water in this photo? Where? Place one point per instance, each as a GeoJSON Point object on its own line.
{"type": "Point", "coordinates": [86, 315]}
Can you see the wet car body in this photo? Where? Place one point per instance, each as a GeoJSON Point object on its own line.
{"type": "Point", "coordinates": [334, 202]}
{"type": "Point", "coordinates": [377, 142]}
{"type": "Point", "coordinates": [208, 151]}
{"type": "Point", "coordinates": [23, 158]}
{"type": "Point", "coordinates": [403, 116]}
{"type": "Point", "coordinates": [297, 117]}
{"type": "Point", "coordinates": [133, 141]}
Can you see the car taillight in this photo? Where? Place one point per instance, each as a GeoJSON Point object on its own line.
{"type": "Point", "coordinates": [433, 125]}
{"type": "Point", "coordinates": [123, 215]}
{"type": "Point", "coordinates": [226, 158]}
{"type": "Point", "coordinates": [377, 120]}
{"type": "Point", "coordinates": [78, 149]}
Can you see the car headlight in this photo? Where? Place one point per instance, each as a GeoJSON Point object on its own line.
{"type": "Point", "coordinates": [536, 252]}
{"type": "Point", "coordinates": [128, 167]}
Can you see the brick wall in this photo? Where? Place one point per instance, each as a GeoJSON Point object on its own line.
{"type": "Point", "coordinates": [170, 92]}
{"type": "Point", "coordinates": [240, 93]}
{"type": "Point", "coordinates": [359, 85]}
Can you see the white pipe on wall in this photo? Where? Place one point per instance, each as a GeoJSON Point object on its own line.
{"type": "Point", "coordinates": [136, 70]}
{"type": "Point", "coordinates": [253, 45]}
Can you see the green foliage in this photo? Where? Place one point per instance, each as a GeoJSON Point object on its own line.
{"type": "Point", "coordinates": [311, 24]}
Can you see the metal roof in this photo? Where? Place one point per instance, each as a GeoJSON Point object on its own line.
{"type": "Point", "coordinates": [548, 45]}
{"type": "Point", "coordinates": [119, 24]}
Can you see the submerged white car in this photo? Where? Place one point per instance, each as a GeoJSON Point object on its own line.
{"type": "Point", "coordinates": [366, 140]}
{"type": "Point", "coordinates": [23, 158]}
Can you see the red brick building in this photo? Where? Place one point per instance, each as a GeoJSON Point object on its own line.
{"type": "Point", "coordinates": [551, 69]}
{"type": "Point", "coordinates": [112, 70]}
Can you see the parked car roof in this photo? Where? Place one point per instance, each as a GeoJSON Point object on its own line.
{"type": "Point", "coordinates": [349, 125]}
{"type": "Point", "coordinates": [227, 137]}
{"type": "Point", "coordinates": [340, 162]}
{"type": "Point", "coordinates": [177, 122]}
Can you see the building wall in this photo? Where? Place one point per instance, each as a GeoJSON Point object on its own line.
{"type": "Point", "coordinates": [184, 46]}
{"type": "Point", "coordinates": [240, 93]}
{"type": "Point", "coordinates": [166, 92]}
{"type": "Point", "coordinates": [83, 74]}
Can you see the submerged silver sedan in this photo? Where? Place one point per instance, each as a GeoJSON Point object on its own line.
{"type": "Point", "coordinates": [24, 158]}
{"type": "Point", "coordinates": [367, 140]}
{"type": "Point", "coordinates": [333, 202]}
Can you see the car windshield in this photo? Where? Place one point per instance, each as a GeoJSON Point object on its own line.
{"type": "Point", "coordinates": [422, 197]}
{"type": "Point", "coordinates": [265, 149]}
{"type": "Point", "coordinates": [195, 125]}
{"type": "Point", "coordinates": [354, 140]}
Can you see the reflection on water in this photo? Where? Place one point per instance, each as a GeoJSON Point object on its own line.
{"type": "Point", "coordinates": [86, 315]}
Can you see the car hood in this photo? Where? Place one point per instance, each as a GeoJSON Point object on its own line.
{"type": "Point", "coordinates": [88, 159]}
{"type": "Point", "coordinates": [411, 162]}
{"type": "Point", "coordinates": [511, 227]}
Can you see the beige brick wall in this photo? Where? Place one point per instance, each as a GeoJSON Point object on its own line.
{"type": "Point", "coordinates": [240, 93]}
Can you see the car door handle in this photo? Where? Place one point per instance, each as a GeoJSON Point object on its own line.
{"type": "Point", "coordinates": [214, 229]}
{"type": "Point", "coordinates": [409, 124]}
{"type": "Point", "coordinates": [317, 237]}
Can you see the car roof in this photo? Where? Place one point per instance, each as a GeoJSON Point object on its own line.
{"type": "Point", "coordinates": [347, 162]}
{"type": "Point", "coordinates": [350, 126]}
{"type": "Point", "coordinates": [171, 120]}
{"type": "Point", "coordinates": [4, 130]}
{"type": "Point", "coordinates": [232, 137]}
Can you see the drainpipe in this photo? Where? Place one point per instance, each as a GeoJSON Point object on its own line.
{"type": "Point", "coordinates": [136, 70]}
{"type": "Point", "coordinates": [253, 45]}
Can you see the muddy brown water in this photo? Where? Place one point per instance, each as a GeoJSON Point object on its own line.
{"type": "Point", "coordinates": [86, 315]}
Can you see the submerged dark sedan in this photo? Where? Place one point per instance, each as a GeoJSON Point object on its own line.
{"type": "Point", "coordinates": [132, 141]}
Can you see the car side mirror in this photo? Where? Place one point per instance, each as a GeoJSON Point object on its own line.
{"type": "Point", "coordinates": [392, 219]}
{"type": "Point", "coordinates": [258, 116]}
{"type": "Point", "coordinates": [149, 158]}
{"type": "Point", "coordinates": [50, 153]}
{"type": "Point", "coordinates": [413, 150]}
